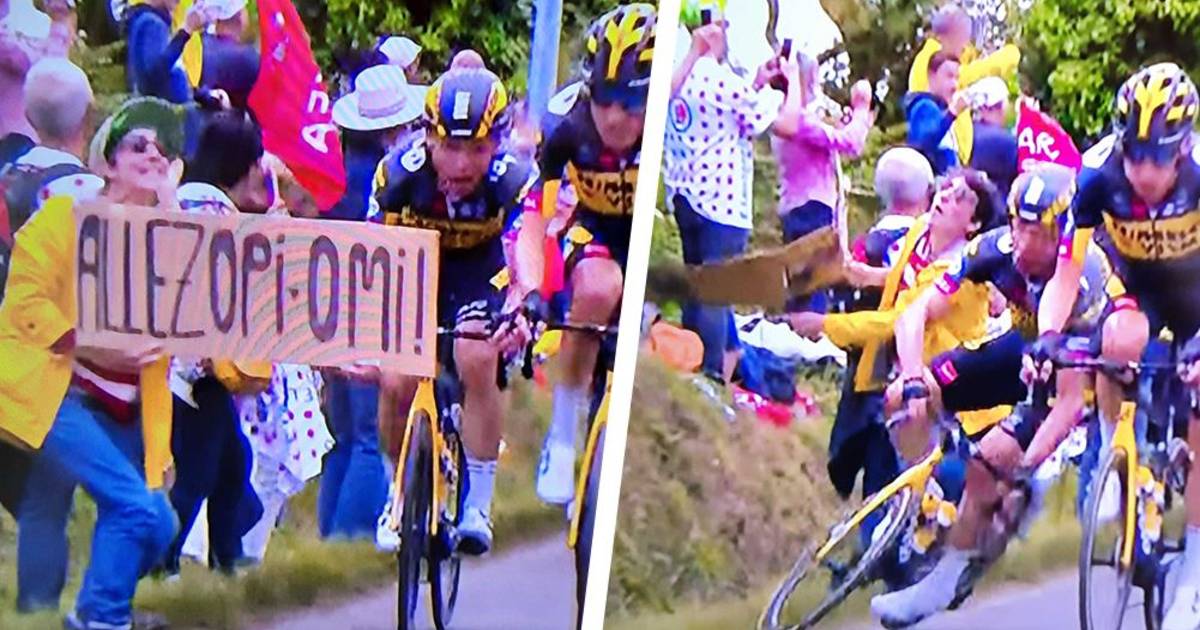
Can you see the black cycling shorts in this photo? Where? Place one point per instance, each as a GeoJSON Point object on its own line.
{"type": "Point", "coordinates": [467, 288]}
{"type": "Point", "coordinates": [610, 238]}
{"type": "Point", "coordinates": [976, 379]}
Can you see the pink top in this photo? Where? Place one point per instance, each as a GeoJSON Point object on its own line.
{"type": "Point", "coordinates": [807, 162]}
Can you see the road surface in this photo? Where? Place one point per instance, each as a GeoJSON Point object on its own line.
{"type": "Point", "coordinates": [530, 587]}
{"type": "Point", "coordinates": [1051, 604]}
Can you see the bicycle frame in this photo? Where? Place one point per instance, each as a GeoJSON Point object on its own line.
{"type": "Point", "coordinates": [589, 456]}
{"type": "Point", "coordinates": [916, 477]}
{"type": "Point", "coordinates": [424, 401]}
{"type": "Point", "coordinates": [1125, 441]}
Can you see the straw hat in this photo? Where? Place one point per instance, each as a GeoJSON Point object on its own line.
{"type": "Point", "coordinates": [381, 99]}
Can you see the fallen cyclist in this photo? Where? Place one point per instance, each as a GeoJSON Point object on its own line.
{"type": "Point", "coordinates": [1018, 259]}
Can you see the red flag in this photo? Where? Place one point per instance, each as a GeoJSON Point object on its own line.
{"type": "Point", "coordinates": [293, 107]}
{"type": "Point", "coordinates": [1041, 139]}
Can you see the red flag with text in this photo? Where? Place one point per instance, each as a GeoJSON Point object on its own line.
{"type": "Point", "coordinates": [1041, 139]}
{"type": "Point", "coordinates": [293, 107]}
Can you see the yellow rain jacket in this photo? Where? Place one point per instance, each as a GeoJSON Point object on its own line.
{"type": "Point", "coordinates": [1001, 63]}
{"type": "Point", "coordinates": [38, 309]}
{"type": "Point", "coordinates": [871, 330]}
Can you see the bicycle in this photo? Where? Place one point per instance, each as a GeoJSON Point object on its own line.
{"type": "Point", "coordinates": [1149, 463]}
{"type": "Point", "coordinates": [430, 486]}
{"type": "Point", "coordinates": [587, 484]}
{"type": "Point", "coordinates": [907, 505]}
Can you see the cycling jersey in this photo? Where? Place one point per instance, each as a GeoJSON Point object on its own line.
{"type": "Point", "coordinates": [604, 181]}
{"type": "Point", "coordinates": [989, 259]}
{"type": "Point", "coordinates": [1156, 250]}
{"type": "Point", "coordinates": [472, 248]}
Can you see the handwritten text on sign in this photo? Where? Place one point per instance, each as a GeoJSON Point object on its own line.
{"type": "Point", "coordinates": [250, 287]}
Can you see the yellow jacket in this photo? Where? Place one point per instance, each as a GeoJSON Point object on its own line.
{"type": "Point", "coordinates": [1001, 63]}
{"type": "Point", "coordinates": [874, 330]}
{"type": "Point", "coordinates": [38, 309]}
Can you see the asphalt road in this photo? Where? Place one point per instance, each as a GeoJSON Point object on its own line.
{"type": "Point", "coordinates": [531, 587]}
{"type": "Point", "coordinates": [1051, 604]}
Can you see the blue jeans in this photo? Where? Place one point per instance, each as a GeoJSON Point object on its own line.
{"type": "Point", "coordinates": [353, 483]}
{"type": "Point", "coordinates": [797, 223]}
{"type": "Point", "coordinates": [134, 526]}
{"type": "Point", "coordinates": [706, 241]}
{"type": "Point", "coordinates": [212, 461]}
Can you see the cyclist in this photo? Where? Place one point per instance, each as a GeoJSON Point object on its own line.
{"type": "Point", "coordinates": [1018, 259]}
{"type": "Point", "coordinates": [1143, 183]}
{"type": "Point", "coordinates": [594, 142]}
{"type": "Point", "coordinates": [455, 181]}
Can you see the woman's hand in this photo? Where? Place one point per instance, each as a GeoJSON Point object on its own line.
{"type": "Point", "coordinates": [167, 190]}
{"type": "Point", "coordinates": [129, 360]}
{"type": "Point", "coordinates": [860, 274]}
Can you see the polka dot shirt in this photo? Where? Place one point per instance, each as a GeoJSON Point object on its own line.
{"type": "Point", "coordinates": [709, 148]}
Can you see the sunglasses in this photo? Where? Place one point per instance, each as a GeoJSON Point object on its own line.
{"type": "Point", "coordinates": [140, 144]}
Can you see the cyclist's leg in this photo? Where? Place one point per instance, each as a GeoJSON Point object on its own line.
{"type": "Point", "coordinates": [596, 280]}
{"type": "Point", "coordinates": [1124, 336]}
{"type": "Point", "coordinates": [484, 410]}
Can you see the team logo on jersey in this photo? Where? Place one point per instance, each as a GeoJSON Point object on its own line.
{"type": "Point", "coordinates": [564, 101]}
{"type": "Point", "coordinates": [1005, 243]}
{"type": "Point", "coordinates": [681, 115]}
{"type": "Point", "coordinates": [414, 158]}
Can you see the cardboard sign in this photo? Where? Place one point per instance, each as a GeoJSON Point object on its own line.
{"type": "Point", "coordinates": [768, 278]}
{"type": "Point", "coordinates": [253, 287]}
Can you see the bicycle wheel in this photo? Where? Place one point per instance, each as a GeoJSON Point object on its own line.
{"type": "Point", "coordinates": [414, 519]}
{"type": "Point", "coordinates": [847, 567]}
{"type": "Point", "coordinates": [446, 566]}
{"type": "Point", "coordinates": [1099, 569]}
{"type": "Point", "coordinates": [587, 524]}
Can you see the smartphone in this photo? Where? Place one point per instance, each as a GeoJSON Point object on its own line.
{"type": "Point", "coordinates": [706, 17]}
{"type": "Point", "coordinates": [785, 51]}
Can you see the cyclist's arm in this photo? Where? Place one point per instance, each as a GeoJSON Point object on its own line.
{"type": "Point", "coordinates": [910, 330]}
{"type": "Point", "coordinates": [1058, 300]}
{"type": "Point", "coordinates": [528, 260]}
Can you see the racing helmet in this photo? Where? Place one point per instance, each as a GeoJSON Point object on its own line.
{"type": "Point", "coordinates": [468, 103]}
{"type": "Point", "coordinates": [1042, 194]}
{"type": "Point", "coordinates": [1155, 112]}
{"type": "Point", "coordinates": [619, 49]}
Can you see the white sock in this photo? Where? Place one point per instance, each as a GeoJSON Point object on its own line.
{"type": "Point", "coordinates": [1107, 429]}
{"type": "Point", "coordinates": [949, 568]}
{"type": "Point", "coordinates": [1190, 571]}
{"type": "Point", "coordinates": [564, 419]}
{"type": "Point", "coordinates": [481, 482]}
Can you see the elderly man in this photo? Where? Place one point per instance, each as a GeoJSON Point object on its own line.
{"type": "Point", "coordinates": [904, 183]}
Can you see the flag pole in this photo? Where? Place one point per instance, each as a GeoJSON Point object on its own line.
{"type": "Point", "coordinates": [543, 58]}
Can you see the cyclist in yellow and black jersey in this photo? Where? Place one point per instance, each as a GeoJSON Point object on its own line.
{"type": "Point", "coordinates": [592, 140]}
{"type": "Point", "coordinates": [457, 181]}
{"type": "Point", "coordinates": [1142, 186]}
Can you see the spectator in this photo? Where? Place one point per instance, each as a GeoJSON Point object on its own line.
{"type": "Point", "coordinates": [858, 441]}
{"type": "Point", "coordinates": [93, 438]}
{"type": "Point", "coordinates": [951, 28]}
{"type": "Point", "coordinates": [715, 116]}
{"type": "Point", "coordinates": [230, 65]}
{"type": "Point", "coordinates": [931, 114]}
{"type": "Point", "coordinates": [403, 53]}
{"type": "Point", "coordinates": [994, 146]}
{"type": "Point", "coordinates": [808, 164]}
{"type": "Point", "coordinates": [154, 66]}
{"type": "Point", "coordinates": [212, 456]}
{"type": "Point", "coordinates": [467, 59]}
{"type": "Point", "coordinates": [376, 117]}
{"type": "Point", "coordinates": [16, 57]}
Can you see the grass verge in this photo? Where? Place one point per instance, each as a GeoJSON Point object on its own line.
{"type": "Point", "coordinates": [300, 570]}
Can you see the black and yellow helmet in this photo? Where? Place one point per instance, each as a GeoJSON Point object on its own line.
{"type": "Point", "coordinates": [1155, 112]}
{"type": "Point", "coordinates": [1042, 194]}
{"type": "Point", "coordinates": [619, 49]}
{"type": "Point", "coordinates": [467, 103]}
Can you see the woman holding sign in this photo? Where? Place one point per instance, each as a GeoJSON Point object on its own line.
{"type": "Point", "coordinates": [81, 407]}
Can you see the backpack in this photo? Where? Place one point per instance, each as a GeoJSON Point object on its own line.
{"type": "Point", "coordinates": [20, 191]}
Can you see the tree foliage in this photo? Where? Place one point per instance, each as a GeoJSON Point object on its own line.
{"type": "Point", "coordinates": [1077, 52]}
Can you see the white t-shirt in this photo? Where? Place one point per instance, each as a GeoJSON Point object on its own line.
{"type": "Point", "coordinates": [80, 186]}
{"type": "Point", "coordinates": [710, 141]}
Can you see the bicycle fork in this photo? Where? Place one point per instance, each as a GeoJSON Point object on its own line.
{"type": "Point", "coordinates": [423, 401]}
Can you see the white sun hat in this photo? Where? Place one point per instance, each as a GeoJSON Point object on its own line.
{"type": "Point", "coordinates": [988, 92]}
{"type": "Point", "coordinates": [382, 98]}
{"type": "Point", "coordinates": [400, 51]}
{"type": "Point", "coordinates": [224, 9]}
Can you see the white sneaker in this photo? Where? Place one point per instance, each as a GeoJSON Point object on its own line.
{"type": "Point", "coordinates": [933, 594]}
{"type": "Point", "coordinates": [475, 532]}
{"type": "Point", "coordinates": [1184, 613]}
{"type": "Point", "coordinates": [556, 474]}
{"type": "Point", "coordinates": [387, 535]}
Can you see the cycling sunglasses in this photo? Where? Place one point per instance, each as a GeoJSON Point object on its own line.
{"type": "Point", "coordinates": [1158, 155]}
{"type": "Point", "coordinates": [630, 99]}
{"type": "Point", "coordinates": [140, 144]}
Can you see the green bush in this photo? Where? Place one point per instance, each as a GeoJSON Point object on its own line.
{"type": "Point", "coordinates": [1077, 52]}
